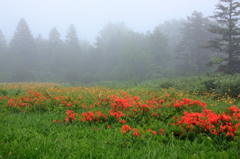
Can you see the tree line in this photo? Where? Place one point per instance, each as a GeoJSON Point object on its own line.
{"type": "Point", "coordinates": [192, 46]}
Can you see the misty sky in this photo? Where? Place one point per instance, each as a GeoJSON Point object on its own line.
{"type": "Point", "coordinates": [89, 16]}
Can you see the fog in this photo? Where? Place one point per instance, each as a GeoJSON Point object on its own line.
{"type": "Point", "coordinates": [81, 42]}
{"type": "Point", "coordinates": [89, 16]}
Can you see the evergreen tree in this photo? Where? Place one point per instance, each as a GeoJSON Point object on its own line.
{"type": "Point", "coordinates": [190, 50]}
{"type": "Point", "coordinates": [55, 50]}
{"type": "Point", "coordinates": [54, 40]}
{"type": "Point", "coordinates": [159, 47]}
{"type": "Point", "coordinates": [41, 46]}
{"type": "Point", "coordinates": [42, 51]}
{"type": "Point", "coordinates": [72, 40]}
{"type": "Point", "coordinates": [3, 43]}
{"type": "Point", "coordinates": [22, 45]}
{"type": "Point", "coordinates": [72, 63]}
{"type": "Point", "coordinates": [23, 51]}
{"type": "Point", "coordinates": [227, 16]}
{"type": "Point", "coordinates": [4, 58]}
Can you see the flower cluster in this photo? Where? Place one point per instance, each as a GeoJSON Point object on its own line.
{"type": "Point", "coordinates": [210, 122]}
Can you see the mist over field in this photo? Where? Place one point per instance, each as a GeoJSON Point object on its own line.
{"type": "Point", "coordinates": [87, 41]}
{"type": "Point", "coordinates": [120, 79]}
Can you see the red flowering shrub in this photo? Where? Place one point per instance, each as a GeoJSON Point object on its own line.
{"type": "Point", "coordinates": [209, 122]}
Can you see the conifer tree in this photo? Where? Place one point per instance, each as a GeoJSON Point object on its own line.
{"type": "Point", "coordinates": [189, 50]}
{"type": "Point", "coordinates": [55, 50]}
{"type": "Point", "coordinates": [54, 39]}
{"type": "Point", "coordinates": [227, 16]}
{"type": "Point", "coordinates": [22, 45]}
{"type": "Point", "coordinates": [23, 52]}
{"type": "Point", "coordinates": [72, 37]}
{"type": "Point", "coordinates": [3, 43]}
{"type": "Point", "coordinates": [3, 55]}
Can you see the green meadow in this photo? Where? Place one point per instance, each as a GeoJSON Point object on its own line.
{"type": "Point", "coordinates": [195, 117]}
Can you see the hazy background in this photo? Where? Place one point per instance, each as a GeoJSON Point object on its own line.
{"type": "Point", "coordinates": [89, 16]}
{"type": "Point", "coordinates": [81, 42]}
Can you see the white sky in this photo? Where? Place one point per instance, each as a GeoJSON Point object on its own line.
{"type": "Point", "coordinates": [89, 16]}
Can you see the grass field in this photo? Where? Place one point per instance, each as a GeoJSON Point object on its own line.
{"type": "Point", "coordinates": [47, 120]}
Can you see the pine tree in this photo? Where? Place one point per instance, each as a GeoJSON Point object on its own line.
{"type": "Point", "coordinates": [55, 50]}
{"type": "Point", "coordinates": [3, 43]}
{"type": "Point", "coordinates": [72, 38]}
{"type": "Point", "coordinates": [22, 45]}
{"type": "Point", "coordinates": [4, 57]}
{"type": "Point", "coordinates": [54, 39]}
{"type": "Point", "coordinates": [189, 50]}
{"type": "Point", "coordinates": [72, 56]}
{"type": "Point", "coordinates": [227, 16]}
{"type": "Point", "coordinates": [159, 47]}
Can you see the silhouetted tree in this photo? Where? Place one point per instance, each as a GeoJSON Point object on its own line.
{"type": "Point", "coordinates": [227, 15]}
{"type": "Point", "coordinates": [23, 51]}
{"type": "Point", "coordinates": [5, 67]}
{"type": "Point", "coordinates": [159, 47]}
{"type": "Point", "coordinates": [22, 45]}
{"type": "Point", "coordinates": [72, 40]}
{"type": "Point", "coordinates": [190, 51]}
{"type": "Point", "coordinates": [72, 57]}
{"type": "Point", "coordinates": [42, 52]}
{"type": "Point", "coordinates": [3, 43]}
{"type": "Point", "coordinates": [55, 50]}
{"type": "Point", "coordinates": [55, 43]}
{"type": "Point", "coordinates": [41, 46]}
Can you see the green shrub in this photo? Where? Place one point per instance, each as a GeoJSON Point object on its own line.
{"type": "Point", "coordinates": [3, 92]}
{"type": "Point", "coordinates": [167, 84]}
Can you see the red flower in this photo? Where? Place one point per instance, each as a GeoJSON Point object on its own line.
{"type": "Point", "coordinates": [68, 105]}
{"type": "Point", "coordinates": [125, 128]}
{"type": "Point", "coordinates": [57, 121]}
{"type": "Point", "coordinates": [225, 117]}
{"type": "Point", "coordinates": [161, 131]}
{"type": "Point", "coordinates": [30, 91]}
{"type": "Point", "coordinates": [108, 126]}
{"type": "Point", "coordinates": [154, 132]}
{"type": "Point", "coordinates": [135, 98]}
{"type": "Point", "coordinates": [154, 114]}
{"type": "Point", "coordinates": [122, 121]}
{"type": "Point", "coordinates": [233, 109]}
{"type": "Point", "coordinates": [135, 133]}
